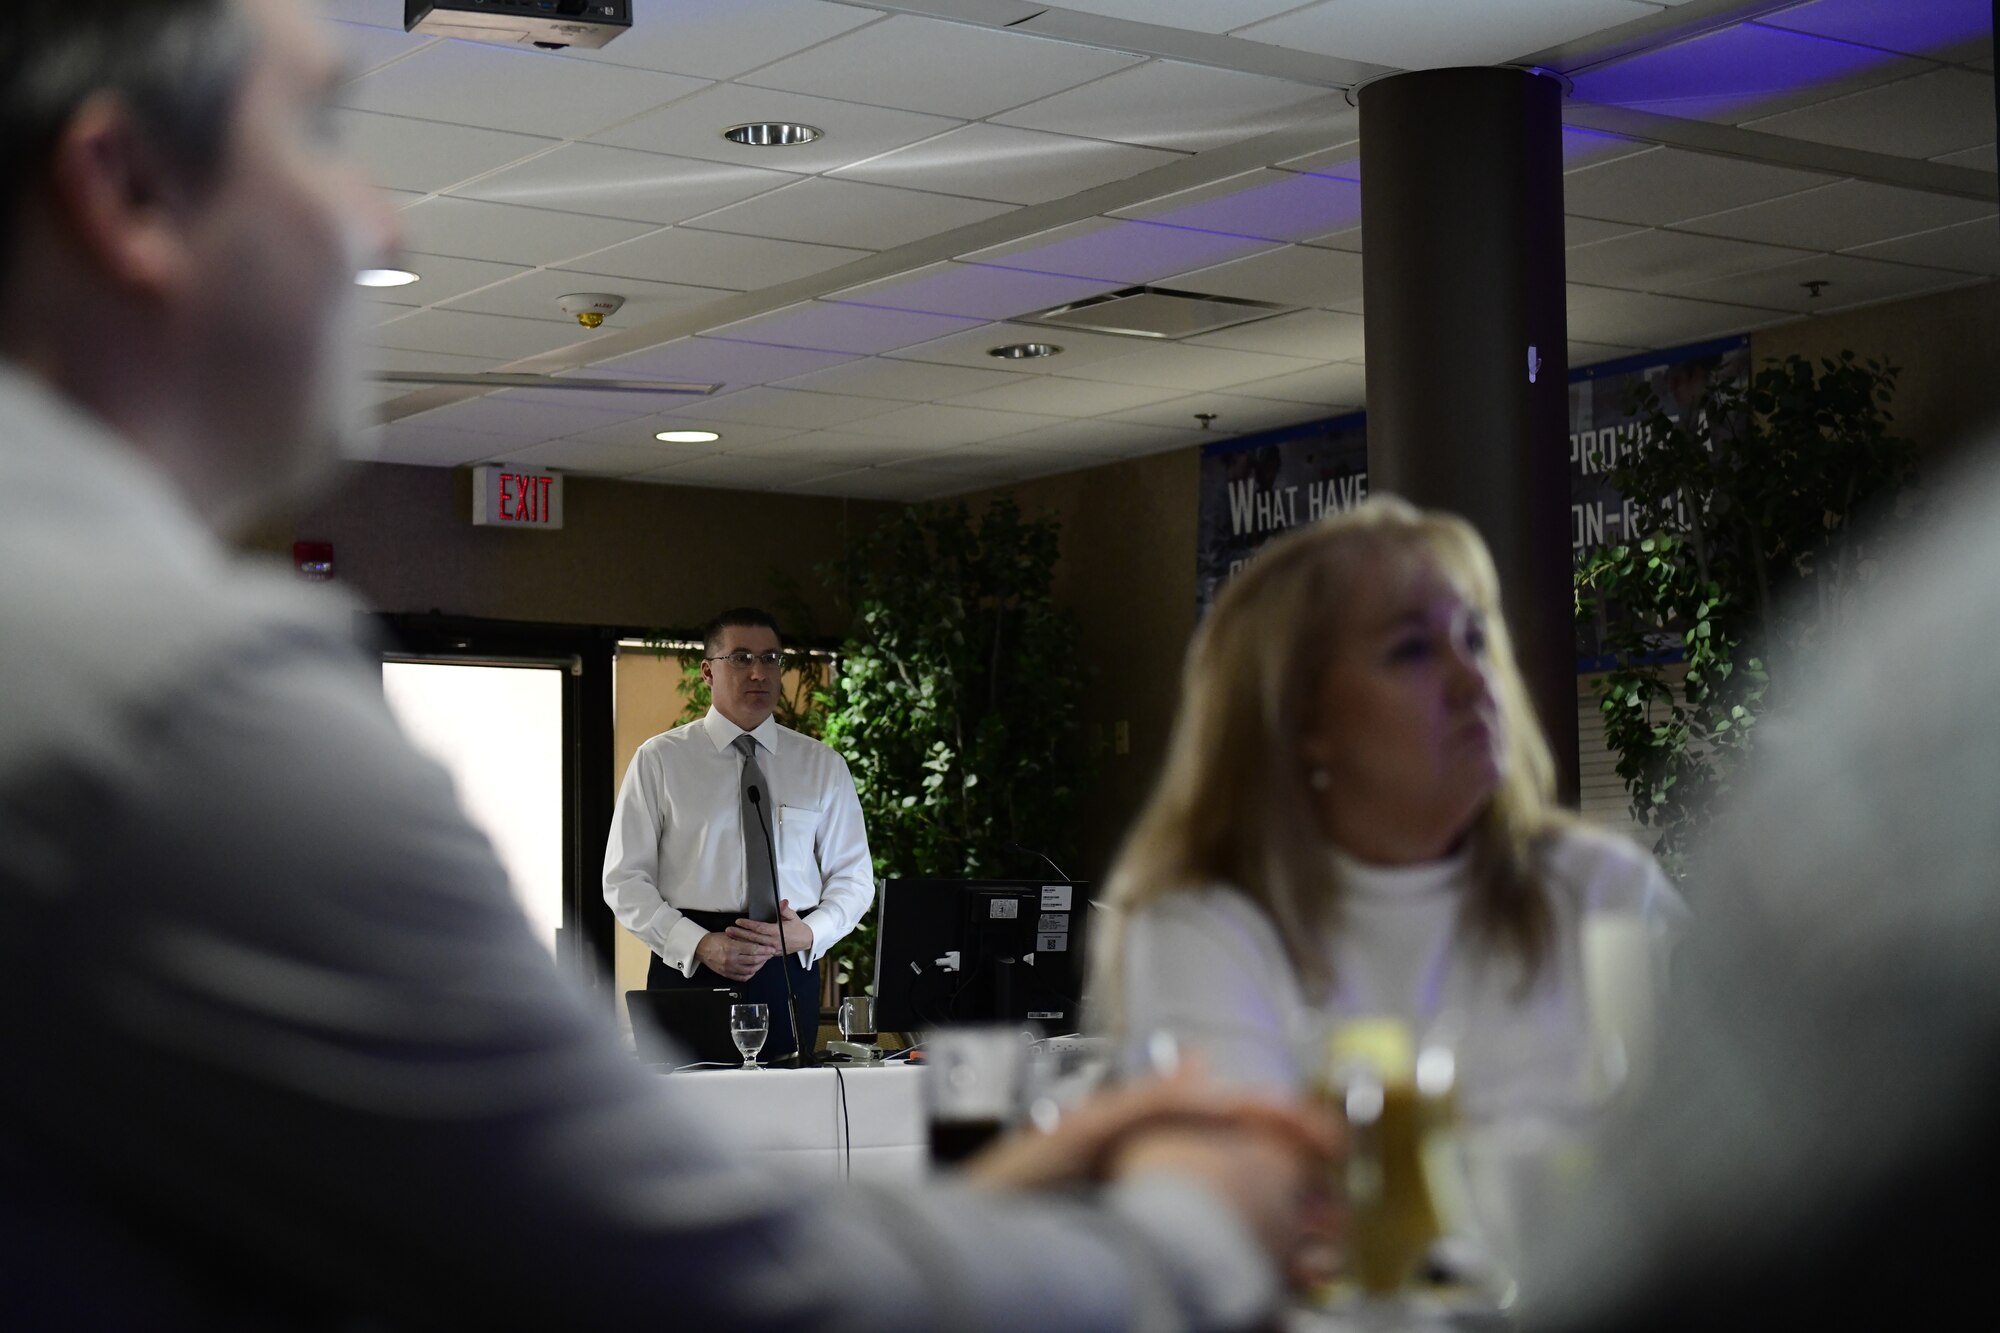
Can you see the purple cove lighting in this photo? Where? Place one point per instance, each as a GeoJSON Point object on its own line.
{"type": "Point", "coordinates": [979, 293]}
{"type": "Point", "coordinates": [1920, 27]}
{"type": "Point", "coordinates": [1292, 209]}
{"type": "Point", "coordinates": [1132, 252]}
{"type": "Point", "coordinates": [1727, 75]}
{"type": "Point", "coordinates": [828, 327]}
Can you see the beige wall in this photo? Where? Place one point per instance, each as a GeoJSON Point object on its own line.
{"type": "Point", "coordinates": [629, 553]}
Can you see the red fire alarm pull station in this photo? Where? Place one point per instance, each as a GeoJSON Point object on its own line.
{"type": "Point", "coordinates": [313, 561]}
{"type": "Point", "coordinates": [516, 497]}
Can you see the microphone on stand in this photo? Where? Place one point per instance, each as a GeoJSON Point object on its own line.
{"type": "Point", "coordinates": [1029, 851]}
{"type": "Point", "coordinates": [784, 959]}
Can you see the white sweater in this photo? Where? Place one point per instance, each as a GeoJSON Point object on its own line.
{"type": "Point", "coordinates": [1208, 966]}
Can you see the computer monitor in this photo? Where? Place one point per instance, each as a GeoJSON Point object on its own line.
{"type": "Point", "coordinates": [980, 951]}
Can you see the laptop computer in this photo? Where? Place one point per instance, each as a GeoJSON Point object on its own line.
{"type": "Point", "coordinates": [678, 1027]}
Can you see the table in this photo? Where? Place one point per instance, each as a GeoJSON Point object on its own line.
{"type": "Point", "coordinates": [792, 1117]}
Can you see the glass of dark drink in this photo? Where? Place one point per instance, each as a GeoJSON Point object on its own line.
{"type": "Point", "coordinates": [972, 1088]}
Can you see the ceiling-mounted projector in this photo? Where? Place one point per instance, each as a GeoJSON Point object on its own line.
{"type": "Point", "coordinates": [546, 23]}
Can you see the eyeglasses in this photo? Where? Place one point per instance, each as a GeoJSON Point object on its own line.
{"type": "Point", "coordinates": [741, 660]}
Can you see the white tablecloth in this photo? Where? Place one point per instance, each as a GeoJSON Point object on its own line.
{"type": "Point", "coordinates": [792, 1117]}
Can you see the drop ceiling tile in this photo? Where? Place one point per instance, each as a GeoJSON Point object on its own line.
{"type": "Point", "coordinates": [1322, 335]}
{"type": "Point", "coordinates": [978, 461]}
{"type": "Point", "coordinates": [1668, 261]}
{"type": "Point", "coordinates": [739, 473]}
{"type": "Point", "coordinates": [1341, 384]}
{"type": "Point", "coordinates": [713, 259]}
{"type": "Point", "coordinates": [618, 406]}
{"type": "Point", "coordinates": [404, 154]}
{"type": "Point", "coordinates": [881, 484]}
{"type": "Point", "coordinates": [946, 69]}
{"type": "Point", "coordinates": [521, 421]}
{"type": "Point", "coordinates": [1178, 366]}
{"type": "Point", "coordinates": [1166, 104]}
{"type": "Point", "coordinates": [1589, 148]}
{"type": "Point", "coordinates": [1232, 414]}
{"type": "Point", "coordinates": [1937, 28]}
{"type": "Point", "coordinates": [623, 183]}
{"type": "Point", "coordinates": [442, 278]}
{"type": "Point", "coordinates": [1966, 247]}
{"type": "Point", "coordinates": [508, 233]}
{"type": "Point", "coordinates": [1982, 63]}
{"type": "Point", "coordinates": [719, 39]}
{"type": "Point", "coordinates": [829, 327]}
{"type": "Point", "coordinates": [1841, 216]}
{"type": "Point", "coordinates": [1850, 281]}
{"type": "Point", "coordinates": [972, 290]}
{"type": "Point", "coordinates": [833, 447]}
{"type": "Point", "coordinates": [789, 407]}
{"type": "Point", "coordinates": [1104, 438]}
{"type": "Point", "coordinates": [1944, 111]}
{"type": "Point", "coordinates": [1117, 250]}
{"type": "Point", "coordinates": [693, 128]}
{"type": "Point", "coordinates": [639, 435]}
{"type": "Point", "coordinates": [1349, 240]}
{"type": "Point", "coordinates": [1589, 354]}
{"type": "Point", "coordinates": [1341, 161]}
{"type": "Point", "coordinates": [1668, 185]}
{"type": "Point", "coordinates": [608, 459]}
{"type": "Point", "coordinates": [460, 83]}
{"type": "Point", "coordinates": [942, 424]}
{"type": "Point", "coordinates": [1271, 205]}
{"type": "Point", "coordinates": [1215, 16]}
{"type": "Point", "coordinates": [422, 363]}
{"type": "Point", "coordinates": [413, 442]}
{"type": "Point", "coordinates": [720, 360]}
{"type": "Point", "coordinates": [1054, 395]}
{"type": "Point", "coordinates": [904, 381]}
{"type": "Point", "coordinates": [1586, 231]}
{"type": "Point", "coordinates": [1737, 72]}
{"type": "Point", "coordinates": [463, 334]}
{"type": "Point", "coordinates": [1981, 158]}
{"type": "Point", "coordinates": [364, 47]}
{"type": "Point", "coordinates": [1641, 319]}
{"type": "Point", "coordinates": [1295, 275]}
{"type": "Point", "coordinates": [839, 212]}
{"type": "Point", "coordinates": [1011, 165]}
{"type": "Point", "coordinates": [1429, 34]}
{"type": "Point", "coordinates": [533, 295]}
{"type": "Point", "coordinates": [971, 347]}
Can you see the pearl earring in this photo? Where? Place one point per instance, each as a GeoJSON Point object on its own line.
{"type": "Point", "coordinates": [1319, 779]}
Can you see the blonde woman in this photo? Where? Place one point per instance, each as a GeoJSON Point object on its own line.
{"type": "Point", "coordinates": [1356, 820]}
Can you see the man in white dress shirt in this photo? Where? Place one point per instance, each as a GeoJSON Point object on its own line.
{"type": "Point", "coordinates": [689, 870]}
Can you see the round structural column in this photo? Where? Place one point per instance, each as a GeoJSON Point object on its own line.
{"type": "Point", "coordinates": [1468, 406]}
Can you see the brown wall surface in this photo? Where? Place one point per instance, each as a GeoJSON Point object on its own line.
{"type": "Point", "coordinates": [1127, 575]}
{"type": "Point", "coordinates": [1947, 344]}
{"type": "Point", "coordinates": [629, 553]}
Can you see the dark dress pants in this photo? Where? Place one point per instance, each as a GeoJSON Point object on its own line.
{"type": "Point", "coordinates": [767, 987]}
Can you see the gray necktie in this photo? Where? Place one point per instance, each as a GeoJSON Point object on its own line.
{"type": "Point", "coordinates": [761, 875]}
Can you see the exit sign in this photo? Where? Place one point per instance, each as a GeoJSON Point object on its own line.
{"type": "Point", "coordinates": [514, 497]}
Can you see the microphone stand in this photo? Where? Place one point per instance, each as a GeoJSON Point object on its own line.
{"type": "Point", "coordinates": [784, 959]}
{"type": "Point", "coordinates": [1029, 851]}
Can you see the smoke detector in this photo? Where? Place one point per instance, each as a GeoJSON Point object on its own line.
{"type": "Point", "coordinates": [590, 308]}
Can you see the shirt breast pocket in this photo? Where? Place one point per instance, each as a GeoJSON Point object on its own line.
{"type": "Point", "coordinates": [798, 830]}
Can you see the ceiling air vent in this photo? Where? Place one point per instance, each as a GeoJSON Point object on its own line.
{"type": "Point", "coordinates": [1157, 312]}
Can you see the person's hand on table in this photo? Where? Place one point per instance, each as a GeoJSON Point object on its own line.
{"type": "Point", "coordinates": [1272, 1161]}
{"type": "Point", "coordinates": [764, 934]}
{"type": "Point", "coordinates": [727, 956]}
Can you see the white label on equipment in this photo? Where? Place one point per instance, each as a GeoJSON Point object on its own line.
{"type": "Point", "coordinates": [1055, 897]}
{"type": "Point", "coordinates": [1052, 943]}
{"type": "Point", "coordinates": [1053, 923]}
{"type": "Point", "coordinates": [1004, 907]}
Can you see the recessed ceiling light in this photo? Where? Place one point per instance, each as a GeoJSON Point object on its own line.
{"type": "Point", "coordinates": [772, 134]}
{"type": "Point", "coordinates": [1023, 351]}
{"type": "Point", "coordinates": [385, 277]}
{"type": "Point", "coordinates": [687, 436]}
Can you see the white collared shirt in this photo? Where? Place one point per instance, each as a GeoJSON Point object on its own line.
{"type": "Point", "coordinates": [677, 836]}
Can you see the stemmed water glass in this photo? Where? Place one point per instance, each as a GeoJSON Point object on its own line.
{"type": "Point", "coordinates": [749, 1024]}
